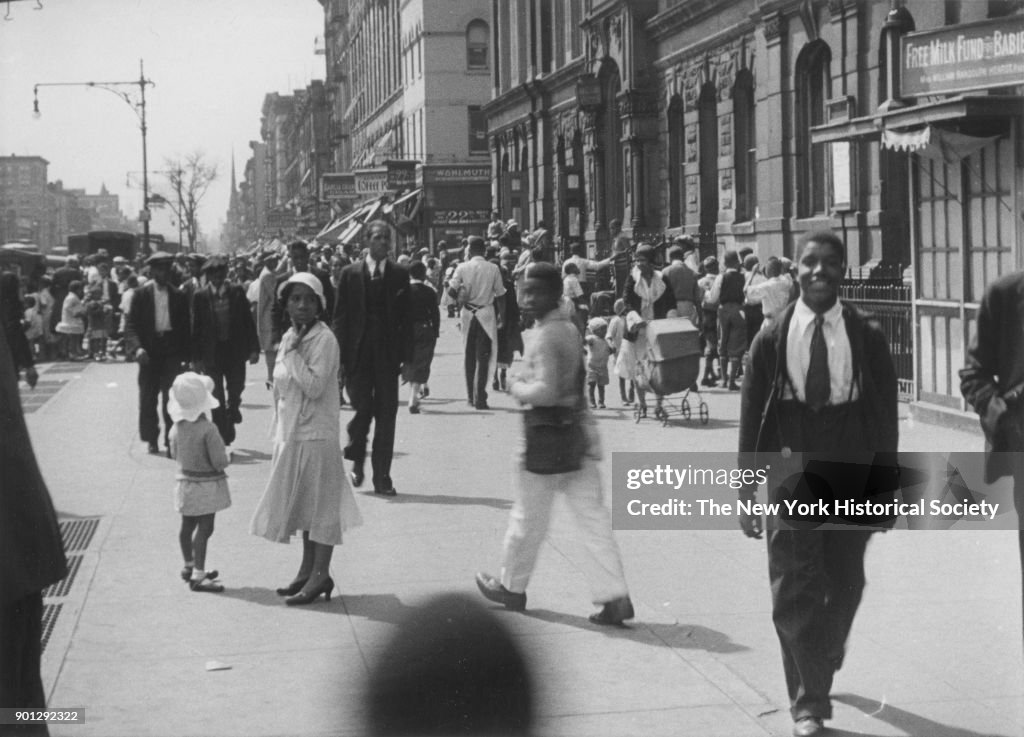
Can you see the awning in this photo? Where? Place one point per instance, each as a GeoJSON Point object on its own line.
{"type": "Point", "coordinates": [935, 143]}
{"type": "Point", "coordinates": [915, 116]}
{"type": "Point", "coordinates": [348, 226]}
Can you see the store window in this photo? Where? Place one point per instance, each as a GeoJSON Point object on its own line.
{"type": "Point", "coordinates": [813, 90]}
{"type": "Point", "coordinates": [477, 46]}
{"type": "Point", "coordinates": [745, 137]}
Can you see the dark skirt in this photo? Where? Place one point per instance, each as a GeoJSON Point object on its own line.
{"type": "Point", "coordinates": [424, 339]}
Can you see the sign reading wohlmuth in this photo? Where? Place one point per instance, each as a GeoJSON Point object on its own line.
{"type": "Point", "coordinates": [974, 56]}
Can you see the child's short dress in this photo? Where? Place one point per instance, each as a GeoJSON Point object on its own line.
{"type": "Point", "coordinates": [202, 486]}
{"type": "Point", "coordinates": [598, 352]}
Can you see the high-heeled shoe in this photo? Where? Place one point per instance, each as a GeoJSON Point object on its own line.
{"type": "Point", "coordinates": [293, 588]}
{"type": "Point", "coordinates": [304, 597]}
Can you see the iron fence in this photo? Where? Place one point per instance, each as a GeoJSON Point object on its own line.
{"type": "Point", "coordinates": [887, 300]}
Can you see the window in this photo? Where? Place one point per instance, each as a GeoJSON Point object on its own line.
{"type": "Point", "coordinates": [745, 138]}
{"type": "Point", "coordinates": [676, 158]}
{"type": "Point", "coordinates": [477, 47]}
{"type": "Point", "coordinates": [813, 90]}
{"type": "Point", "coordinates": [477, 130]}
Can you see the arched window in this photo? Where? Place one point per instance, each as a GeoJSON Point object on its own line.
{"type": "Point", "coordinates": [745, 136]}
{"type": "Point", "coordinates": [813, 90]}
{"type": "Point", "coordinates": [676, 159]}
{"type": "Point", "coordinates": [477, 45]}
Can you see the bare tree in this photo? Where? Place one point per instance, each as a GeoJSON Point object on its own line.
{"type": "Point", "coordinates": [190, 177]}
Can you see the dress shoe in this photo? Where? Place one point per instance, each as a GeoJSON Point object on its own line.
{"type": "Point", "coordinates": [614, 612]}
{"type": "Point", "coordinates": [205, 586]}
{"type": "Point", "coordinates": [808, 726]}
{"type": "Point", "coordinates": [482, 405]}
{"type": "Point", "coordinates": [357, 474]}
{"type": "Point", "coordinates": [186, 574]}
{"type": "Point", "coordinates": [153, 449]}
{"type": "Point", "coordinates": [293, 588]}
{"type": "Point", "coordinates": [391, 491]}
{"type": "Point", "coordinates": [308, 597]}
{"type": "Point", "coordinates": [413, 409]}
{"type": "Point", "coordinates": [492, 589]}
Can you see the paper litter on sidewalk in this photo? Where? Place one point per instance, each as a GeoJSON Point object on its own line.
{"type": "Point", "coordinates": [217, 665]}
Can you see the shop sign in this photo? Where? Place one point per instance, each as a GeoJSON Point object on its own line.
{"type": "Point", "coordinates": [588, 92]}
{"type": "Point", "coordinates": [401, 174]}
{"type": "Point", "coordinates": [282, 220]}
{"type": "Point", "coordinates": [974, 56]}
{"type": "Point", "coordinates": [460, 217]}
{"type": "Point", "coordinates": [337, 186]}
{"type": "Point", "coordinates": [372, 181]}
{"type": "Point", "coordinates": [456, 174]}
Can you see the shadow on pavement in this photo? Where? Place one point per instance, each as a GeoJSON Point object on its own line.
{"type": "Point", "coordinates": [386, 608]}
{"type": "Point", "coordinates": [255, 406]}
{"type": "Point", "coordinates": [413, 498]}
{"type": "Point", "coordinates": [703, 637]}
{"type": "Point", "coordinates": [244, 456]}
{"type": "Point", "coordinates": [906, 721]}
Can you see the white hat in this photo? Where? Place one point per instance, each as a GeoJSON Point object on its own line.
{"type": "Point", "coordinates": [304, 277]}
{"type": "Point", "coordinates": [190, 396]}
{"type": "Point", "coordinates": [595, 323]}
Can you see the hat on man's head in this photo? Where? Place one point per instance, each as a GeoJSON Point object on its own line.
{"type": "Point", "coordinates": [160, 257]}
{"type": "Point", "coordinates": [646, 250]}
{"type": "Point", "coordinates": [197, 258]}
{"type": "Point", "coordinates": [215, 262]}
{"type": "Point", "coordinates": [191, 395]}
{"type": "Point", "coordinates": [120, 260]}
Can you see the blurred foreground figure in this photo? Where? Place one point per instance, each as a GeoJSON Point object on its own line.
{"type": "Point", "coordinates": [31, 555]}
{"type": "Point", "coordinates": [451, 669]}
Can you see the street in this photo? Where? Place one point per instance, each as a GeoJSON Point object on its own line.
{"type": "Point", "coordinates": [935, 651]}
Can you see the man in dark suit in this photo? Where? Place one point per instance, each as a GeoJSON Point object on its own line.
{"type": "Point", "coordinates": [820, 381]}
{"type": "Point", "coordinates": [158, 337]}
{"type": "Point", "coordinates": [993, 384]}
{"type": "Point", "coordinates": [373, 326]}
{"type": "Point", "coordinates": [223, 338]}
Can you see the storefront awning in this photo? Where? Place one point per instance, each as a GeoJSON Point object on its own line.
{"type": "Point", "coordinates": [915, 116]}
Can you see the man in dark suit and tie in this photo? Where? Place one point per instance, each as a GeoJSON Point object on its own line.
{"type": "Point", "coordinates": [820, 381]}
{"type": "Point", "coordinates": [993, 384]}
{"type": "Point", "coordinates": [158, 336]}
{"type": "Point", "coordinates": [373, 326]}
{"type": "Point", "coordinates": [223, 338]}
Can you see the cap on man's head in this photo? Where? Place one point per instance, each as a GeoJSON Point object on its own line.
{"type": "Point", "coordinates": [197, 258]}
{"type": "Point", "coordinates": [215, 262]}
{"type": "Point", "coordinates": [160, 258]}
{"type": "Point", "coordinates": [120, 260]}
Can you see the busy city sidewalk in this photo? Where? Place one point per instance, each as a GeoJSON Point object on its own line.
{"type": "Point", "coordinates": [935, 650]}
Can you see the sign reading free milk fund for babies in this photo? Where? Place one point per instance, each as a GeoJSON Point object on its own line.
{"type": "Point", "coordinates": [974, 56]}
{"type": "Point", "coordinates": [713, 491]}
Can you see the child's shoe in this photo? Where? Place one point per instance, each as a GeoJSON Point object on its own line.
{"type": "Point", "coordinates": [600, 405]}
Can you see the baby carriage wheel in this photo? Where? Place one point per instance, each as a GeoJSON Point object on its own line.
{"type": "Point", "coordinates": [685, 409]}
{"type": "Point", "coordinates": [704, 414]}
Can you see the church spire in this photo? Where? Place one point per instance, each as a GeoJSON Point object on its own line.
{"type": "Point", "coordinates": [233, 201]}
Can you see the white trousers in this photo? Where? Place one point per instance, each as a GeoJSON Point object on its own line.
{"type": "Point", "coordinates": [531, 515]}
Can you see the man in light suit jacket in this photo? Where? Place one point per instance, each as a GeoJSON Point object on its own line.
{"type": "Point", "coordinates": [373, 326]}
{"type": "Point", "coordinates": [158, 337]}
{"type": "Point", "coordinates": [224, 337]}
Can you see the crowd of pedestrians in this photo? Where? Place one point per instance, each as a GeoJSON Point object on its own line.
{"type": "Point", "coordinates": [816, 376]}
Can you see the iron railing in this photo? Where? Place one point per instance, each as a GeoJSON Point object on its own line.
{"type": "Point", "coordinates": [882, 294]}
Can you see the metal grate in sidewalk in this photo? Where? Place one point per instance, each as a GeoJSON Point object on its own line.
{"type": "Point", "coordinates": [77, 534]}
{"type": "Point", "coordinates": [62, 587]}
{"type": "Point", "coordinates": [50, 614]}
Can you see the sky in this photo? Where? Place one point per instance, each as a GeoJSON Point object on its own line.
{"type": "Point", "coordinates": [212, 62]}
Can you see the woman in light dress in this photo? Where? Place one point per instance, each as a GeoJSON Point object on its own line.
{"type": "Point", "coordinates": [307, 490]}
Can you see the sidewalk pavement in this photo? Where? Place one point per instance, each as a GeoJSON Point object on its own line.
{"type": "Point", "coordinates": [935, 652]}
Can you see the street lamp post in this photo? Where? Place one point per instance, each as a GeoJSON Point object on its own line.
{"type": "Point", "coordinates": [140, 110]}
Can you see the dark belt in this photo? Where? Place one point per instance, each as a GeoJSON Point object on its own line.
{"type": "Point", "coordinates": [476, 308]}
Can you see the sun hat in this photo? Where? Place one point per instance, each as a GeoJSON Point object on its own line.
{"type": "Point", "coordinates": [596, 323]}
{"type": "Point", "coordinates": [190, 396]}
{"type": "Point", "coordinates": [304, 277]}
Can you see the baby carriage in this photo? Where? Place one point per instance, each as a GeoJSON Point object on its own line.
{"type": "Point", "coordinates": [671, 364]}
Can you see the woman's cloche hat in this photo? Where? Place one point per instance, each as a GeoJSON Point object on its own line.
{"type": "Point", "coordinates": [190, 396]}
{"type": "Point", "coordinates": [304, 277]}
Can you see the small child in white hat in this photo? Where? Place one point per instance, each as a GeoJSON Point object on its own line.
{"type": "Point", "coordinates": [202, 488]}
{"type": "Point", "coordinates": [598, 352]}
